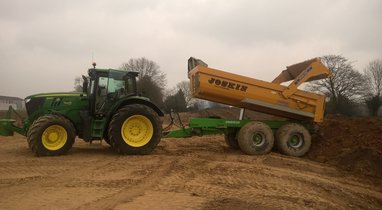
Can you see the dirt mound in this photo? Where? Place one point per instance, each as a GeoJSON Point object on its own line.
{"type": "Point", "coordinates": [353, 144]}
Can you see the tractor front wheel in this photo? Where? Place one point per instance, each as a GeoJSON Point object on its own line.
{"type": "Point", "coordinates": [51, 135]}
{"type": "Point", "coordinates": [135, 130]}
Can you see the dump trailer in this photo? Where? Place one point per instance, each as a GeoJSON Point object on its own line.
{"type": "Point", "coordinates": [302, 109]}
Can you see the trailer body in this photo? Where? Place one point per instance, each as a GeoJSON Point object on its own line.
{"type": "Point", "coordinates": [266, 97]}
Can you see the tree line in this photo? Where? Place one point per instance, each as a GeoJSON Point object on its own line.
{"type": "Point", "coordinates": [347, 91]}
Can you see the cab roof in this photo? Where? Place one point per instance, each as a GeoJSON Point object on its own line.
{"type": "Point", "coordinates": [118, 71]}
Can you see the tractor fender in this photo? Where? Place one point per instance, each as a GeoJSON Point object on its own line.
{"type": "Point", "coordinates": [53, 112]}
{"type": "Point", "coordinates": [139, 101]}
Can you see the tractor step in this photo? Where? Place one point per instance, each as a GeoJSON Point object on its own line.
{"type": "Point", "coordinates": [97, 128]}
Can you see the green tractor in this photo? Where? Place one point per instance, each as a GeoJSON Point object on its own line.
{"type": "Point", "coordinates": [109, 108]}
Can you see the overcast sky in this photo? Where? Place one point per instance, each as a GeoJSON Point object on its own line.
{"type": "Point", "coordinates": [45, 44]}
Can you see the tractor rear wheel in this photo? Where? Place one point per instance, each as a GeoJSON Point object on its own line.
{"type": "Point", "coordinates": [107, 140]}
{"type": "Point", "coordinates": [135, 130]}
{"type": "Point", "coordinates": [256, 138]}
{"type": "Point", "coordinates": [293, 139]}
{"type": "Point", "coordinates": [51, 135]}
{"type": "Point", "coordinates": [231, 139]}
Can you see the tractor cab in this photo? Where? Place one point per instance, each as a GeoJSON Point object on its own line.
{"type": "Point", "coordinates": [107, 86]}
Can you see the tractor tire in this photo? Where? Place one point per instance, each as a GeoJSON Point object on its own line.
{"type": "Point", "coordinates": [231, 139]}
{"type": "Point", "coordinates": [293, 139]}
{"type": "Point", "coordinates": [135, 130]}
{"type": "Point", "coordinates": [107, 140]}
{"type": "Point", "coordinates": [256, 138]}
{"type": "Point", "coordinates": [51, 135]}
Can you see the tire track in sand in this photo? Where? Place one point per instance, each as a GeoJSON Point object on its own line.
{"type": "Point", "coordinates": [126, 194]}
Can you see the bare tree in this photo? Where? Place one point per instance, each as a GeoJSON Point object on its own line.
{"type": "Point", "coordinates": [175, 102]}
{"type": "Point", "coordinates": [185, 87]}
{"type": "Point", "coordinates": [146, 67]}
{"type": "Point", "coordinates": [78, 84]}
{"type": "Point", "coordinates": [148, 88]}
{"type": "Point", "coordinates": [344, 87]}
{"type": "Point", "coordinates": [373, 73]}
{"type": "Point", "coordinates": [151, 80]}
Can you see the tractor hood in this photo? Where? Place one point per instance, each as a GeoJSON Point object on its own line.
{"type": "Point", "coordinates": [54, 94]}
{"type": "Point", "coordinates": [62, 102]}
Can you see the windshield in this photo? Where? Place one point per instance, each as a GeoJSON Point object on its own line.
{"type": "Point", "coordinates": [120, 84]}
{"type": "Point", "coordinates": [112, 87]}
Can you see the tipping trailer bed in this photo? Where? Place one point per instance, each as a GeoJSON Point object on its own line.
{"type": "Point", "coordinates": [267, 97]}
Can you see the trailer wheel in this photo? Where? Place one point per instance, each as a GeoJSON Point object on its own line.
{"type": "Point", "coordinates": [231, 139]}
{"type": "Point", "coordinates": [293, 139]}
{"type": "Point", "coordinates": [256, 138]}
{"type": "Point", "coordinates": [135, 130]}
{"type": "Point", "coordinates": [51, 135]}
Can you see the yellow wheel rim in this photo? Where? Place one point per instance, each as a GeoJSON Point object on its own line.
{"type": "Point", "coordinates": [137, 130]}
{"type": "Point", "coordinates": [54, 137]}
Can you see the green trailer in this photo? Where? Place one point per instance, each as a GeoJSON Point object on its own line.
{"type": "Point", "coordinates": [252, 137]}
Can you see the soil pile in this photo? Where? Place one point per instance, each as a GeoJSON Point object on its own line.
{"type": "Point", "coordinates": [353, 144]}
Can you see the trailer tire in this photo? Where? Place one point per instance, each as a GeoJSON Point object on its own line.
{"type": "Point", "coordinates": [293, 139]}
{"type": "Point", "coordinates": [51, 135]}
{"type": "Point", "coordinates": [135, 130]}
{"type": "Point", "coordinates": [231, 139]}
{"type": "Point", "coordinates": [256, 138]}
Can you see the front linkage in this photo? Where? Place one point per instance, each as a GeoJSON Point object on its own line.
{"type": "Point", "coordinates": [7, 124]}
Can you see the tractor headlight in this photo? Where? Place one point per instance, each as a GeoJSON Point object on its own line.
{"type": "Point", "coordinates": [27, 100]}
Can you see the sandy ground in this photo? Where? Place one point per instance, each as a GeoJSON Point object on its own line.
{"type": "Point", "coordinates": [195, 173]}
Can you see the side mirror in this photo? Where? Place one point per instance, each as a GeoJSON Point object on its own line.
{"type": "Point", "coordinates": [85, 84]}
